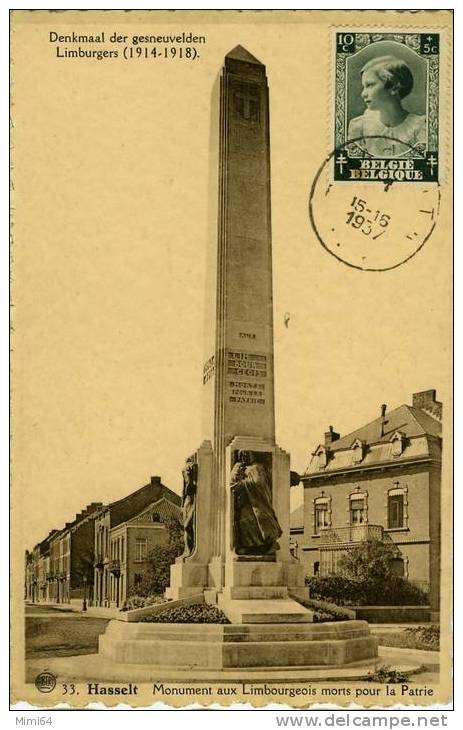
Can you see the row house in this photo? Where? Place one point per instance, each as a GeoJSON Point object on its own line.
{"type": "Point", "coordinates": [71, 557]}
{"type": "Point", "coordinates": [382, 481]}
{"type": "Point", "coordinates": [37, 570]}
{"type": "Point", "coordinates": [125, 532]}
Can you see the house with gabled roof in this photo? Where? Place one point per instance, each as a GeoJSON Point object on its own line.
{"type": "Point", "coordinates": [125, 533]}
{"type": "Point", "coordinates": [381, 481]}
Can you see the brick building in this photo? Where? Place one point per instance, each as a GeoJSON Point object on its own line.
{"type": "Point", "coordinates": [71, 558]}
{"type": "Point", "coordinates": [37, 570]}
{"type": "Point", "coordinates": [125, 532]}
{"type": "Point", "coordinates": [381, 481]}
{"type": "Point", "coordinates": [130, 544]}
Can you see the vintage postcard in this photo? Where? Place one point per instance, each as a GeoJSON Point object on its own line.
{"type": "Point", "coordinates": [231, 262]}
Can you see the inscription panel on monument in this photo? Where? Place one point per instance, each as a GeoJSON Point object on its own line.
{"type": "Point", "coordinates": [246, 373]}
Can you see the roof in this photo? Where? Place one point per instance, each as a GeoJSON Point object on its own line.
{"type": "Point", "coordinates": [410, 421]}
{"type": "Point", "coordinates": [164, 510]}
{"type": "Point", "coordinates": [422, 439]}
{"type": "Point", "coordinates": [134, 503]}
{"type": "Point", "coordinates": [241, 54]}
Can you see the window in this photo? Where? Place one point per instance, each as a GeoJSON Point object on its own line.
{"type": "Point", "coordinates": [357, 511]}
{"type": "Point", "coordinates": [321, 516]}
{"type": "Point", "coordinates": [397, 567]}
{"type": "Point", "coordinates": [316, 567]}
{"type": "Point", "coordinates": [395, 510]}
{"type": "Point", "coordinates": [140, 548]}
{"type": "Point", "coordinates": [137, 578]}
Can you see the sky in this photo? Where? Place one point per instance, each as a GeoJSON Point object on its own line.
{"type": "Point", "coordinates": [111, 182]}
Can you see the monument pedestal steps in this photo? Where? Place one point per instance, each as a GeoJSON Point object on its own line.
{"type": "Point", "coordinates": [220, 646]}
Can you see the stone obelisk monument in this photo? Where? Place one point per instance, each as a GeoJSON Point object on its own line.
{"type": "Point", "coordinates": [236, 486]}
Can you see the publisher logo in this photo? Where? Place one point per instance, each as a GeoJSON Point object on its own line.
{"type": "Point", "coordinates": [45, 682]}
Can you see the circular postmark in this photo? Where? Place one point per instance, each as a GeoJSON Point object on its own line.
{"type": "Point", "coordinates": [45, 682]}
{"type": "Point", "coordinates": [380, 216]}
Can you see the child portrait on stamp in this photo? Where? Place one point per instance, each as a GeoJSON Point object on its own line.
{"type": "Point", "coordinates": [386, 81]}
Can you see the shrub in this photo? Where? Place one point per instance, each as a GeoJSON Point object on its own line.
{"type": "Point", "coordinates": [160, 558]}
{"type": "Point", "coordinates": [336, 588]}
{"type": "Point", "coordinates": [369, 561]}
{"type": "Point", "coordinates": [424, 637]}
{"type": "Point", "coordinates": [198, 613]}
{"type": "Point", "coordinates": [345, 591]}
{"type": "Point", "coordinates": [387, 675]}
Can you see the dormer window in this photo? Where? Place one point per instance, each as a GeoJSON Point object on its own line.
{"type": "Point", "coordinates": [358, 451]}
{"type": "Point", "coordinates": [322, 456]}
{"type": "Point", "coordinates": [398, 443]}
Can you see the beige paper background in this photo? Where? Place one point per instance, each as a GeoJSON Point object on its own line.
{"type": "Point", "coordinates": [110, 189]}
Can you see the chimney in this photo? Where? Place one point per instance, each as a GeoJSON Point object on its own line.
{"type": "Point", "coordinates": [426, 401]}
{"type": "Point", "coordinates": [383, 418]}
{"type": "Point", "coordinates": [155, 481]}
{"type": "Point", "coordinates": [330, 436]}
{"type": "Point", "coordinates": [94, 505]}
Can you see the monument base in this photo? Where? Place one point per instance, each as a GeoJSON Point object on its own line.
{"type": "Point", "coordinates": [256, 591]}
{"type": "Point", "coordinates": [221, 646]}
{"type": "Point", "coordinates": [264, 610]}
{"type": "Point", "coordinates": [186, 579]}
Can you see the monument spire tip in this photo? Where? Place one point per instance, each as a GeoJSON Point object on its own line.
{"type": "Point", "coordinates": [239, 53]}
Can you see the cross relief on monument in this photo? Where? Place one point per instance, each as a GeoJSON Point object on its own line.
{"type": "Point", "coordinates": [247, 102]}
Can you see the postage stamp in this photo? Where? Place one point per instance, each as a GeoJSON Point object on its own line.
{"type": "Point", "coordinates": [387, 106]}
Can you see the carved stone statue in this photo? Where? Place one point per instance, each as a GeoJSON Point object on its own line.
{"type": "Point", "coordinates": [190, 484]}
{"type": "Point", "coordinates": [256, 527]}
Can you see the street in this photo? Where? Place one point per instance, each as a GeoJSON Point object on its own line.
{"type": "Point", "coordinates": [51, 632]}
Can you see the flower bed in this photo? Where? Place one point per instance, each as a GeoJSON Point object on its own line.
{"type": "Point", "coordinates": [387, 675]}
{"type": "Point", "coordinates": [143, 601]}
{"type": "Point", "coordinates": [199, 613]}
{"type": "Point", "coordinates": [413, 637]}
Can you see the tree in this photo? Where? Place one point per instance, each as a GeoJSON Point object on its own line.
{"type": "Point", "coordinates": [160, 558]}
{"type": "Point", "coordinates": [370, 561]}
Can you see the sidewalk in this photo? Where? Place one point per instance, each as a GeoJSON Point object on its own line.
{"type": "Point", "coordinates": [429, 659]}
{"type": "Point", "coordinates": [94, 611]}
{"type": "Point", "coordinates": [55, 606]}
